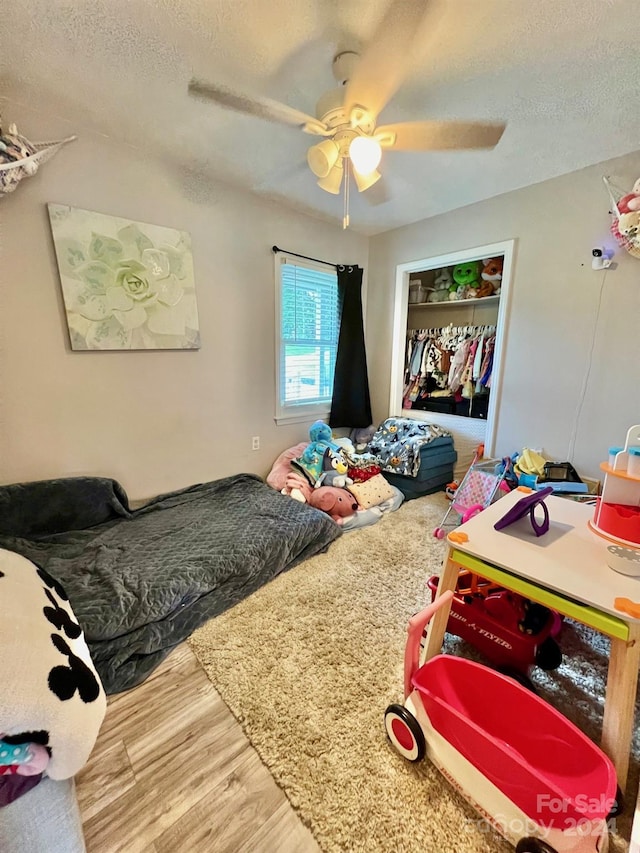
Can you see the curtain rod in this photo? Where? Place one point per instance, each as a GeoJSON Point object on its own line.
{"type": "Point", "coordinates": [275, 249]}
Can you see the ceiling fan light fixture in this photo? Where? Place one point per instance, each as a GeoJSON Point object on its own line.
{"type": "Point", "coordinates": [333, 181]}
{"type": "Point", "coordinates": [323, 157]}
{"type": "Point", "coordinates": [363, 182]}
{"type": "Point", "coordinates": [365, 153]}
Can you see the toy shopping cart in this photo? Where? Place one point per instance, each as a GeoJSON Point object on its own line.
{"type": "Point", "coordinates": [532, 774]}
{"type": "Point", "coordinates": [479, 487]}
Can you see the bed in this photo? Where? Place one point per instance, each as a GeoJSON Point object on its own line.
{"type": "Point", "coordinates": [141, 580]}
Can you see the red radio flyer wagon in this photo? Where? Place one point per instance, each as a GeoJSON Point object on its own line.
{"type": "Point", "coordinates": [511, 631]}
{"type": "Point", "coordinates": [528, 771]}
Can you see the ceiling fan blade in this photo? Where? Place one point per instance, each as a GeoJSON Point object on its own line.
{"type": "Point", "coordinates": [386, 59]}
{"type": "Point", "coordinates": [256, 106]}
{"type": "Point", "coordinates": [440, 135]}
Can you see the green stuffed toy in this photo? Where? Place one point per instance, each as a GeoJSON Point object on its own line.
{"type": "Point", "coordinates": [466, 278]}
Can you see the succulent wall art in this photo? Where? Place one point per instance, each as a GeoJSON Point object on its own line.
{"type": "Point", "coordinates": [126, 285]}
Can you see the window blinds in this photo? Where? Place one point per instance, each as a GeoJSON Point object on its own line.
{"type": "Point", "coordinates": [308, 334]}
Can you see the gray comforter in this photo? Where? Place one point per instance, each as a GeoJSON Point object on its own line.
{"type": "Point", "coordinates": [141, 580]}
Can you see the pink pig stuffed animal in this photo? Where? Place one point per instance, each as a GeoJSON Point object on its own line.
{"type": "Point", "coordinates": [338, 503]}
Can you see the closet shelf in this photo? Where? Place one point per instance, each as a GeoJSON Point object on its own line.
{"type": "Point", "coordinates": [455, 303]}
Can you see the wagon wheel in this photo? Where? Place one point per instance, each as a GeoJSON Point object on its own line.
{"type": "Point", "coordinates": [404, 732]}
{"type": "Point", "coordinates": [534, 845]}
{"type": "Point", "coordinates": [548, 655]}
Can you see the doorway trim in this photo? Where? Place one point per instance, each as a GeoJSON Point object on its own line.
{"type": "Point", "coordinates": [400, 310]}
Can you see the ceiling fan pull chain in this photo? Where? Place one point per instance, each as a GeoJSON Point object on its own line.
{"type": "Point", "coordinates": [345, 218]}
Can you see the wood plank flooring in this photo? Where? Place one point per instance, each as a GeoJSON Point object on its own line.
{"type": "Point", "coordinates": [172, 771]}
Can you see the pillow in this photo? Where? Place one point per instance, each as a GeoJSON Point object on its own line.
{"type": "Point", "coordinates": [51, 693]}
{"type": "Point", "coordinates": [277, 477]}
{"type": "Point", "coordinates": [372, 492]}
{"type": "Point", "coordinates": [47, 507]}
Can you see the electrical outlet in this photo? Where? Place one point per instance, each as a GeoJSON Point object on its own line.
{"type": "Point", "coordinates": [255, 442]}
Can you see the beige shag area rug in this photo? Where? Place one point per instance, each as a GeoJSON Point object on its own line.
{"type": "Point", "coordinates": [309, 663]}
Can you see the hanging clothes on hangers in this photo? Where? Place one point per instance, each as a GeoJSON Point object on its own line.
{"type": "Point", "coordinates": [448, 367]}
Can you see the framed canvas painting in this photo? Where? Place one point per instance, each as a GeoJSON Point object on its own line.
{"type": "Point", "coordinates": [126, 285]}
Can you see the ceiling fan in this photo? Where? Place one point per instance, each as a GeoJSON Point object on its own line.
{"type": "Point", "coordinates": [346, 115]}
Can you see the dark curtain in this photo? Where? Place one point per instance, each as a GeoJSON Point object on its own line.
{"type": "Point", "coordinates": [351, 405]}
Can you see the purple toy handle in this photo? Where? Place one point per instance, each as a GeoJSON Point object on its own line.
{"type": "Point", "coordinates": [527, 506]}
{"type": "Point", "coordinates": [539, 528]}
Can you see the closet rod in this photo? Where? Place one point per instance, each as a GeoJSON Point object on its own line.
{"type": "Point", "coordinates": [275, 249]}
{"type": "Point", "coordinates": [469, 327]}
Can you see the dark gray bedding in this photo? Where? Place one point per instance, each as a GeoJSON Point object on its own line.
{"type": "Point", "coordinates": [141, 580]}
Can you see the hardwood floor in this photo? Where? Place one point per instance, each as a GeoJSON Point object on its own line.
{"type": "Point", "coordinates": [172, 771]}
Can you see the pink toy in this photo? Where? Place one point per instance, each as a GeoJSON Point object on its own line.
{"type": "Point", "coordinates": [297, 487]}
{"type": "Point", "coordinates": [631, 202]}
{"type": "Point", "coordinates": [38, 762]}
{"type": "Point", "coordinates": [480, 486]}
{"type": "Point", "coordinates": [338, 503]}
{"type": "Point", "coordinates": [533, 775]}
{"type": "Point", "coordinates": [276, 478]}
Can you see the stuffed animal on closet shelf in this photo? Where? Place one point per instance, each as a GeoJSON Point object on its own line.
{"type": "Point", "coordinates": [491, 277]}
{"type": "Point", "coordinates": [466, 278]}
{"type": "Point", "coordinates": [338, 503]}
{"type": "Point", "coordinates": [631, 202]}
{"type": "Point", "coordinates": [441, 285]}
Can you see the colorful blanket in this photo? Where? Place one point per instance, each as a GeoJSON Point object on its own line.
{"type": "Point", "coordinates": [397, 443]}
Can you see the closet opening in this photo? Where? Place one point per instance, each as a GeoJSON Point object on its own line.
{"type": "Point", "coordinates": [449, 335]}
{"type": "Point", "coordinates": [448, 369]}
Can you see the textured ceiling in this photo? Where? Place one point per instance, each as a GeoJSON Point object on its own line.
{"type": "Point", "coordinates": [564, 75]}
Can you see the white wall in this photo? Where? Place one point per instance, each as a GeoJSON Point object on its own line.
{"type": "Point", "coordinates": [159, 420]}
{"type": "Point", "coordinates": [162, 420]}
{"type": "Point", "coordinates": [571, 384]}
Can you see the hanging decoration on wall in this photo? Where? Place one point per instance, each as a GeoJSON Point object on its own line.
{"type": "Point", "coordinates": [20, 158]}
{"type": "Point", "coordinates": [625, 216]}
{"type": "Point", "coordinates": [126, 285]}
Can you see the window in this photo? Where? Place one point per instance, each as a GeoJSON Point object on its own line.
{"type": "Point", "coordinates": [307, 338]}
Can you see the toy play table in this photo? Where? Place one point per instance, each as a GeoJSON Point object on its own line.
{"type": "Point", "coordinates": [565, 570]}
